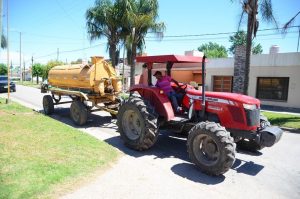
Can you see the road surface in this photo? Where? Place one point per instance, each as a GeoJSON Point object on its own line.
{"type": "Point", "coordinates": [164, 171]}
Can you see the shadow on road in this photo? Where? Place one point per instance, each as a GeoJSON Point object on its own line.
{"type": "Point", "coordinates": [249, 168]}
{"type": "Point", "coordinates": [169, 145]}
{"type": "Point", "coordinates": [188, 171]}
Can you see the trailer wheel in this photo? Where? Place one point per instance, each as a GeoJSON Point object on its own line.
{"type": "Point", "coordinates": [211, 148]}
{"type": "Point", "coordinates": [137, 124]}
{"type": "Point", "coordinates": [78, 112]}
{"type": "Point", "coordinates": [48, 105]}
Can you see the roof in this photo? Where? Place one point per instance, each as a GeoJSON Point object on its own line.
{"type": "Point", "coordinates": [169, 58]}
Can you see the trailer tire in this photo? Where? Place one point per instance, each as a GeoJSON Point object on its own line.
{"type": "Point", "coordinates": [78, 112]}
{"type": "Point", "coordinates": [48, 105]}
{"type": "Point", "coordinates": [211, 148]}
{"type": "Point", "coordinates": [137, 124]}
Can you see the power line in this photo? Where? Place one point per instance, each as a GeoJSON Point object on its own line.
{"type": "Point", "coordinates": [220, 33]}
{"type": "Point", "coordinates": [212, 38]}
{"type": "Point", "coordinates": [68, 51]}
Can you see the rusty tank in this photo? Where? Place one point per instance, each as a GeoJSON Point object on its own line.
{"type": "Point", "coordinates": [91, 87]}
{"type": "Point", "coordinates": [100, 77]}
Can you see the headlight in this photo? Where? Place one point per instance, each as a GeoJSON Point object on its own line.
{"type": "Point", "coordinates": [249, 106]}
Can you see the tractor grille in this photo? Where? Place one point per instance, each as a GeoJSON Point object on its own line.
{"type": "Point", "coordinates": [237, 114]}
{"type": "Point", "coordinates": [252, 117]}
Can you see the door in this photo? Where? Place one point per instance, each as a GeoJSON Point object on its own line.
{"type": "Point", "coordinates": [222, 83]}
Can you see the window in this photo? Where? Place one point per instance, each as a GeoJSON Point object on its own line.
{"type": "Point", "coordinates": [272, 88]}
{"type": "Point", "coordinates": [222, 83]}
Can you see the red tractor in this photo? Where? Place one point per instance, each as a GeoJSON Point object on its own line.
{"type": "Point", "coordinates": [215, 121]}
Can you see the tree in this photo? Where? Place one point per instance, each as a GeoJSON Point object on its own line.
{"type": "Point", "coordinates": [252, 8]}
{"type": "Point", "coordinates": [139, 17]}
{"type": "Point", "coordinates": [213, 50]}
{"type": "Point", "coordinates": [104, 20]}
{"type": "Point", "coordinates": [78, 61]}
{"type": "Point", "coordinates": [37, 70]}
{"type": "Point", "coordinates": [48, 66]}
{"type": "Point", "coordinates": [240, 38]}
{"type": "Point", "coordinates": [3, 69]}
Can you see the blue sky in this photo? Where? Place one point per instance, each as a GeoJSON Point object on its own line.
{"type": "Point", "coordinates": [47, 25]}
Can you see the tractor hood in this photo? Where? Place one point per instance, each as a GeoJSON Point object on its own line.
{"type": "Point", "coordinates": [226, 96]}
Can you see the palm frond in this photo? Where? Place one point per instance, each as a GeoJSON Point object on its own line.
{"type": "Point", "coordinates": [288, 24]}
{"type": "Point", "coordinates": [266, 12]}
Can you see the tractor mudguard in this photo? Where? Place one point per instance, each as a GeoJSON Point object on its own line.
{"type": "Point", "coordinates": [157, 99]}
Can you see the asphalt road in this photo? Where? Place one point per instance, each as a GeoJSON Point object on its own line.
{"type": "Point", "coordinates": [164, 171]}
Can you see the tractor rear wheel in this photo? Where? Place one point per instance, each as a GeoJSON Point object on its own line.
{"type": "Point", "coordinates": [137, 124]}
{"type": "Point", "coordinates": [78, 112]}
{"type": "Point", "coordinates": [211, 148]}
{"type": "Point", "coordinates": [48, 105]}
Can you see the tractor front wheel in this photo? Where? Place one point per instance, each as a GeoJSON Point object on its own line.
{"type": "Point", "coordinates": [48, 105]}
{"type": "Point", "coordinates": [211, 148]}
{"type": "Point", "coordinates": [137, 124]}
{"type": "Point", "coordinates": [78, 112]}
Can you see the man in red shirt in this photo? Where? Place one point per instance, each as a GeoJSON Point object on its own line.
{"type": "Point", "coordinates": [164, 83]}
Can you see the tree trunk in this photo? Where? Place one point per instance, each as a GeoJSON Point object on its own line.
{"type": "Point", "coordinates": [250, 26]}
{"type": "Point", "coordinates": [132, 68]}
{"type": "Point", "coordinates": [37, 79]}
{"type": "Point", "coordinates": [112, 53]}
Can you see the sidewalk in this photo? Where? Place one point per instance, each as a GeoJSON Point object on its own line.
{"type": "Point", "coordinates": [283, 110]}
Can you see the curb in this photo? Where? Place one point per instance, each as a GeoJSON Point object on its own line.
{"type": "Point", "coordinates": [292, 130]}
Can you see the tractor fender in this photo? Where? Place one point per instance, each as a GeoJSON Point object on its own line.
{"type": "Point", "coordinates": [156, 98]}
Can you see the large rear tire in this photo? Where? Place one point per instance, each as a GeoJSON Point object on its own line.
{"type": "Point", "coordinates": [78, 112]}
{"type": "Point", "coordinates": [137, 124]}
{"type": "Point", "coordinates": [211, 148]}
{"type": "Point", "coordinates": [48, 105]}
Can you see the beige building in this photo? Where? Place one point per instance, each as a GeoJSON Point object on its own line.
{"type": "Point", "coordinates": [274, 78]}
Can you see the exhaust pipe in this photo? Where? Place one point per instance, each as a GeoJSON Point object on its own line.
{"type": "Point", "coordinates": [203, 86]}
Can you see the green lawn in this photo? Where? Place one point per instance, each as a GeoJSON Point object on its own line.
{"type": "Point", "coordinates": [29, 83]}
{"type": "Point", "coordinates": [40, 156]}
{"type": "Point", "coordinates": [285, 120]}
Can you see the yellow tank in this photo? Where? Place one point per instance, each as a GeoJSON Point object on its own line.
{"type": "Point", "coordinates": [100, 77]}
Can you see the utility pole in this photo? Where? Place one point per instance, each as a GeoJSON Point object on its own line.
{"type": "Point", "coordinates": [11, 69]}
{"type": "Point", "coordinates": [57, 54]}
{"type": "Point", "coordinates": [8, 68]}
{"type": "Point", "coordinates": [24, 73]}
{"type": "Point", "coordinates": [298, 39]}
{"type": "Point", "coordinates": [32, 69]}
{"type": "Point", "coordinates": [1, 18]}
{"type": "Point", "coordinates": [21, 58]}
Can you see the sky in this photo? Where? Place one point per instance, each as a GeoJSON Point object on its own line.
{"type": "Point", "coordinates": [51, 26]}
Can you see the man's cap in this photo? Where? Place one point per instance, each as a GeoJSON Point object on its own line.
{"type": "Point", "coordinates": [157, 73]}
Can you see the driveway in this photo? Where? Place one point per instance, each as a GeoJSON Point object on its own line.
{"type": "Point", "coordinates": [164, 171]}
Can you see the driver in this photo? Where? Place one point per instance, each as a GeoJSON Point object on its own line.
{"type": "Point", "coordinates": [164, 83]}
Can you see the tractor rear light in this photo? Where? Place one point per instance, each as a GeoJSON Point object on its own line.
{"type": "Point", "coordinates": [249, 106]}
{"type": "Point", "coordinates": [161, 92]}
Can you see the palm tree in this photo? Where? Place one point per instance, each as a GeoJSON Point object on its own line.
{"type": "Point", "coordinates": [252, 8]}
{"type": "Point", "coordinates": [104, 20]}
{"type": "Point", "coordinates": [139, 19]}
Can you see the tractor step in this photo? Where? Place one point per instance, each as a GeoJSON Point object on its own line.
{"type": "Point", "coordinates": [180, 118]}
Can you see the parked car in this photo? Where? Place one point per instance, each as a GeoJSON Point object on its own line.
{"type": "Point", "coordinates": [3, 84]}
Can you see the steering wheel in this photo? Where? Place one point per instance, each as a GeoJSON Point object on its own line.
{"type": "Point", "coordinates": [181, 88]}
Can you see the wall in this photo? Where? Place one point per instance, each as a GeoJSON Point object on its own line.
{"type": "Point", "coordinates": [266, 65]}
{"type": "Point", "coordinates": [277, 65]}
